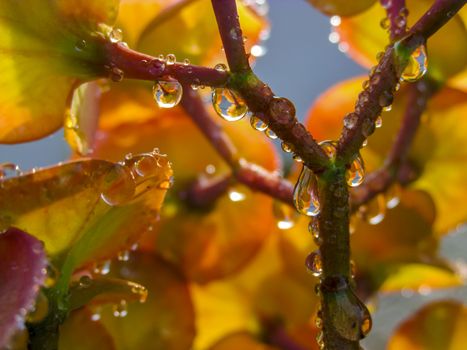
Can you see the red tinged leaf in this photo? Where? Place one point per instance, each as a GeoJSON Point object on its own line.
{"type": "Point", "coordinates": [22, 272]}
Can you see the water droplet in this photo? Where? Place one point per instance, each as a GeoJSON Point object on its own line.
{"type": "Point", "coordinates": [81, 45]}
{"type": "Point", "coordinates": [258, 124]}
{"type": "Point", "coordinates": [305, 194]}
{"type": "Point", "coordinates": [282, 110]}
{"type": "Point", "coordinates": [320, 340]}
{"type": "Point", "coordinates": [313, 228]}
{"type": "Point", "coordinates": [116, 35]}
{"type": "Point", "coordinates": [318, 321]}
{"type": "Point", "coordinates": [417, 65]}
{"type": "Point", "coordinates": [287, 148]}
{"type": "Point", "coordinates": [314, 264]}
{"type": "Point", "coordinates": [119, 187]}
{"type": "Point", "coordinates": [368, 127]}
{"type": "Point", "coordinates": [374, 211]}
{"type": "Point", "coordinates": [220, 67]}
{"type": "Point", "coordinates": [270, 134]}
{"type": "Point", "coordinates": [102, 267]}
{"type": "Point", "coordinates": [228, 104]}
{"type": "Point", "coordinates": [385, 100]}
{"type": "Point", "coordinates": [284, 214]}
{"type": "Point", "coordinates": [236, 196]}
{"type": "Point", "coordinates": [116, 74]}
{"type": "Point", "coordinates": [393, 196]}
{"type": "Point", "coordinates": [186, 62]}
{"type": "Point", "coordinates": [9, 170]}
{"type": "Point", "coordinates": [384, 23]}
{"type": "Point", "coordinates": [170, 59]}
{"type": "Point", "coordinates": [124, 255]}
{"type": "Point", "coordinates": [120, 309]}
{"type": "Point", "coordinates": [365, 143]}
{"type": "Point", "coordinates": [378, 122]}
{"type": "Point", "coordinates": [85, 281]}
{"type": "Point", "coordinates": [145, 166]}
{"type": "Point", "coordinates": [350, 120]}
{"type": "Point", "coordinates": [167, 93]}
{"type": "Point", "coordinates": [297, 158]}
{"type": "Point", "coordinates": [356, 172]}
{"type": "Point", "coordinates": [329, 147]}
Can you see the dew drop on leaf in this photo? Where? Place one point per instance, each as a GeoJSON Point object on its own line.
{"type": "Point", "coordinates": [124, 255]}
{"type": "Point", "coordinates": [305, 194]}
{"type": "Point", "coordinates": [417, 65]}
{"type": "Point", "coordinates": [167, 93]}
{"type": "Point", "coordinates": [228, 104]}
{"type": "Point", "coordinates": [236, 196]}
{"type": "Point", "coordinates": [356, 172]}
{"type": "Point", "coordinates": [287, 148]}
{"type": "Point", "coordinates": [329, 147]}
{"type": "Point", "coordinates": [119, 186]}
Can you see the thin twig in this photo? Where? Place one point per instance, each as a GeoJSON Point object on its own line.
{"type": "Point", "coordinates": [397, 16]}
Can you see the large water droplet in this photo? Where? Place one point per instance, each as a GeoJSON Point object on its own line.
{"type": "Point", "coordinates": [258, 124]}
{"type": "Point", "coordinates": [305, 194]}
{"type": "Point", "coordinates": [356, 172]}
{"type": "Point", "coordinates": [379, 122]}
{"type": "Point", "coordinates": [116, 35]}
{"type": "Point", "coordinates": [284, 214]}
{"type": "Point", "coordinates": [171, 59]}
{"type": "Point", "coordinates": [167, 93]}
{"type": "Point", "coordinates": [119, 186]}
{"type": "Point", "coordinates": [314, 264]}
{"type": "Point", "coordinates": [417, 65]}
{"type": "Point", "coordinates": [350, 120]}
{"type": "Point", "coordinates": [287, 148]}
{"type": "Point", "coordinates": [228, 104]}
{"type": "Point", "coordinates": [385, 100]}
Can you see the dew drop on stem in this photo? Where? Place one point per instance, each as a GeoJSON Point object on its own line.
{"type": "Point", "coordinates": [228, 104]}
{"type": "Point", "coordinates": [167, 93]}
{"type": "Point", "coordinates": [305, 194]}
{"type": "Point", "coordinates": [355, 174]}
{"type": "Point", "coordinates": [417, 65]}
{"type": "Point", "coordinates": [314, 264]}
{"type": "Point", "coordinates": [257, 124]}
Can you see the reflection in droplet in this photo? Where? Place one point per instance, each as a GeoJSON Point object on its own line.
{"type": "Point", "coordinates": [119, 186]}
{"type": "Point", "coordinates": [314, 264]}
{"type": "Point", "coordinates": [417, 65]}
{"type": "Point", "coordinates": [257, 123]}
{"type": "Point", "coordinates": [228, 104]}
{"type": "Point", "coordinates": [167, 93]}
{"type": "Point", "coordinates": [305, 194]}
{"type": "Point", "coordinates": [356, 172]}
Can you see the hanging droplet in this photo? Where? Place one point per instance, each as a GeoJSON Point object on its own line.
{"type": "Point", "coordinates": [385, 100]}
{"type": "Point", "coordinates": [384, 23]}
{"type": "Point", "coordinates": [350, 120]}
{"type": "Point", "coordinates": [287, 148]}
{"type": "Point", "coordinates": [374, 211]}
{"type": "Point", "coordinates": [305, 194]}
{"type": "Point", "coordinates": [320, 340]}
{"type": "Point", "coordinates": [186, 62]}
{"type": "Point", "coordinates": [167, 93]}
{"type": "Point", "coordinates": [378, 122]}
{"type": "Point", "coordinates": [124, 255]}
{"type": "Point", "coordinates": [270, 134]}
{"type": "Point", "coordinates": [116, 35]}
{"type": "Point", "coordinates": [314, 264]}
{"type": "Point", "coordinates": [9, 170]}
{"type": "Point", "coordinates": [257, 123]}
{"type": "Point", "coordinates": [170, 59]}
{"type": "Point", "coordinates": [417, 65]}
{"type": "Point", "coordinates": [228, 104]}
{"type": "Point", "coordinates": [285, 215]}
{"type": "Point", "coordinates": [236, 196]}
{"type": "Point", "coordinates": [297, 158]}
{"type": "Point", "coordinates": [120, 309]}
{"type": "Point", "coordinates": [356, 172]}
{"type": "Point", "coordinates": [313, 228]}
{"type": "Point", "coordinates": [102, 267]}
{"type": "Point", "coordinates": [365, 143]}
{"type": "Point", "coordinates": [393, 196]}
{"type": "Point", "coordinates": [116, 74]}
{"type": "Point", "coordinates": [329, 147]}
{"type": "Point", "coordinates": [119, 186]}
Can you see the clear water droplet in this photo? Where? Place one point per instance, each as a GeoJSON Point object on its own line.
{"type": "Point", "coordinates": [378, 122]}
{"type": "Point", "coordinates": [385, 100]}
{"type": "Point", "coordinates": [393, 195]}
{"type": "Point", "coordinates": [282, 110]}
{"type": "Point", "coordinates": [220, 67]}
{"type": "Point", "coordinates": [116, 35]}
{"type": "Point", "coordinates": [384, 23]}
{"type": "Point", "coordinates": [145, 166]}
{"type": "Point", "coordinates": [417, 65]}
{"type": "Point", "coordinates": [350, 120]}
{"type": "Point", "coordinates": [356, 172]}
{"type": "Point", "coordinates": [116, 74]}
{"type": "Point", "coordinates": [285, 215]}
{"type": "Point", "coordinates": [258, 124]}
{"type": "Point", "coordinates": [228, 104]}
{"type": "Point", "coordinates": [270, 134]}
{"type": "Point", "coordinates": [186, 62]}
{"type": "Point", "coordinates": [120, 309]}
{"type": "Point", "coordinates": [85, 281]}
{"type": "Point", "coordinates": [287, 148]}
{"type": "Point", "coordinates": [314, 264]}
{"type": "Point", "coordinates": [170, 59]}
{"type": "Point", "coordinates": [329, 147]}
{"type": "Point", "coordinates": [305, 194]}
{"type": "Point", "coordinates": [9, 170]}
{"type": "Point", "coordinates": [119, 186]}
{"type": "Point", "coordinates": [167, 93]}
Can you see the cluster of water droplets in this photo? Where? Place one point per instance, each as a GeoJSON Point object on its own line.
{"type": "Point", "coordinates": [134, 176]}
{"type": "Point", "coordinates": [9, 170]}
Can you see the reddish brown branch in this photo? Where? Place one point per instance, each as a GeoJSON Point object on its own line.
{"type": "Point", "coordinates": [397, 16]}
{"type": "Point", "coordinates": [393, 169]}
{"type": "Point", "coordinates": [386, 76]}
